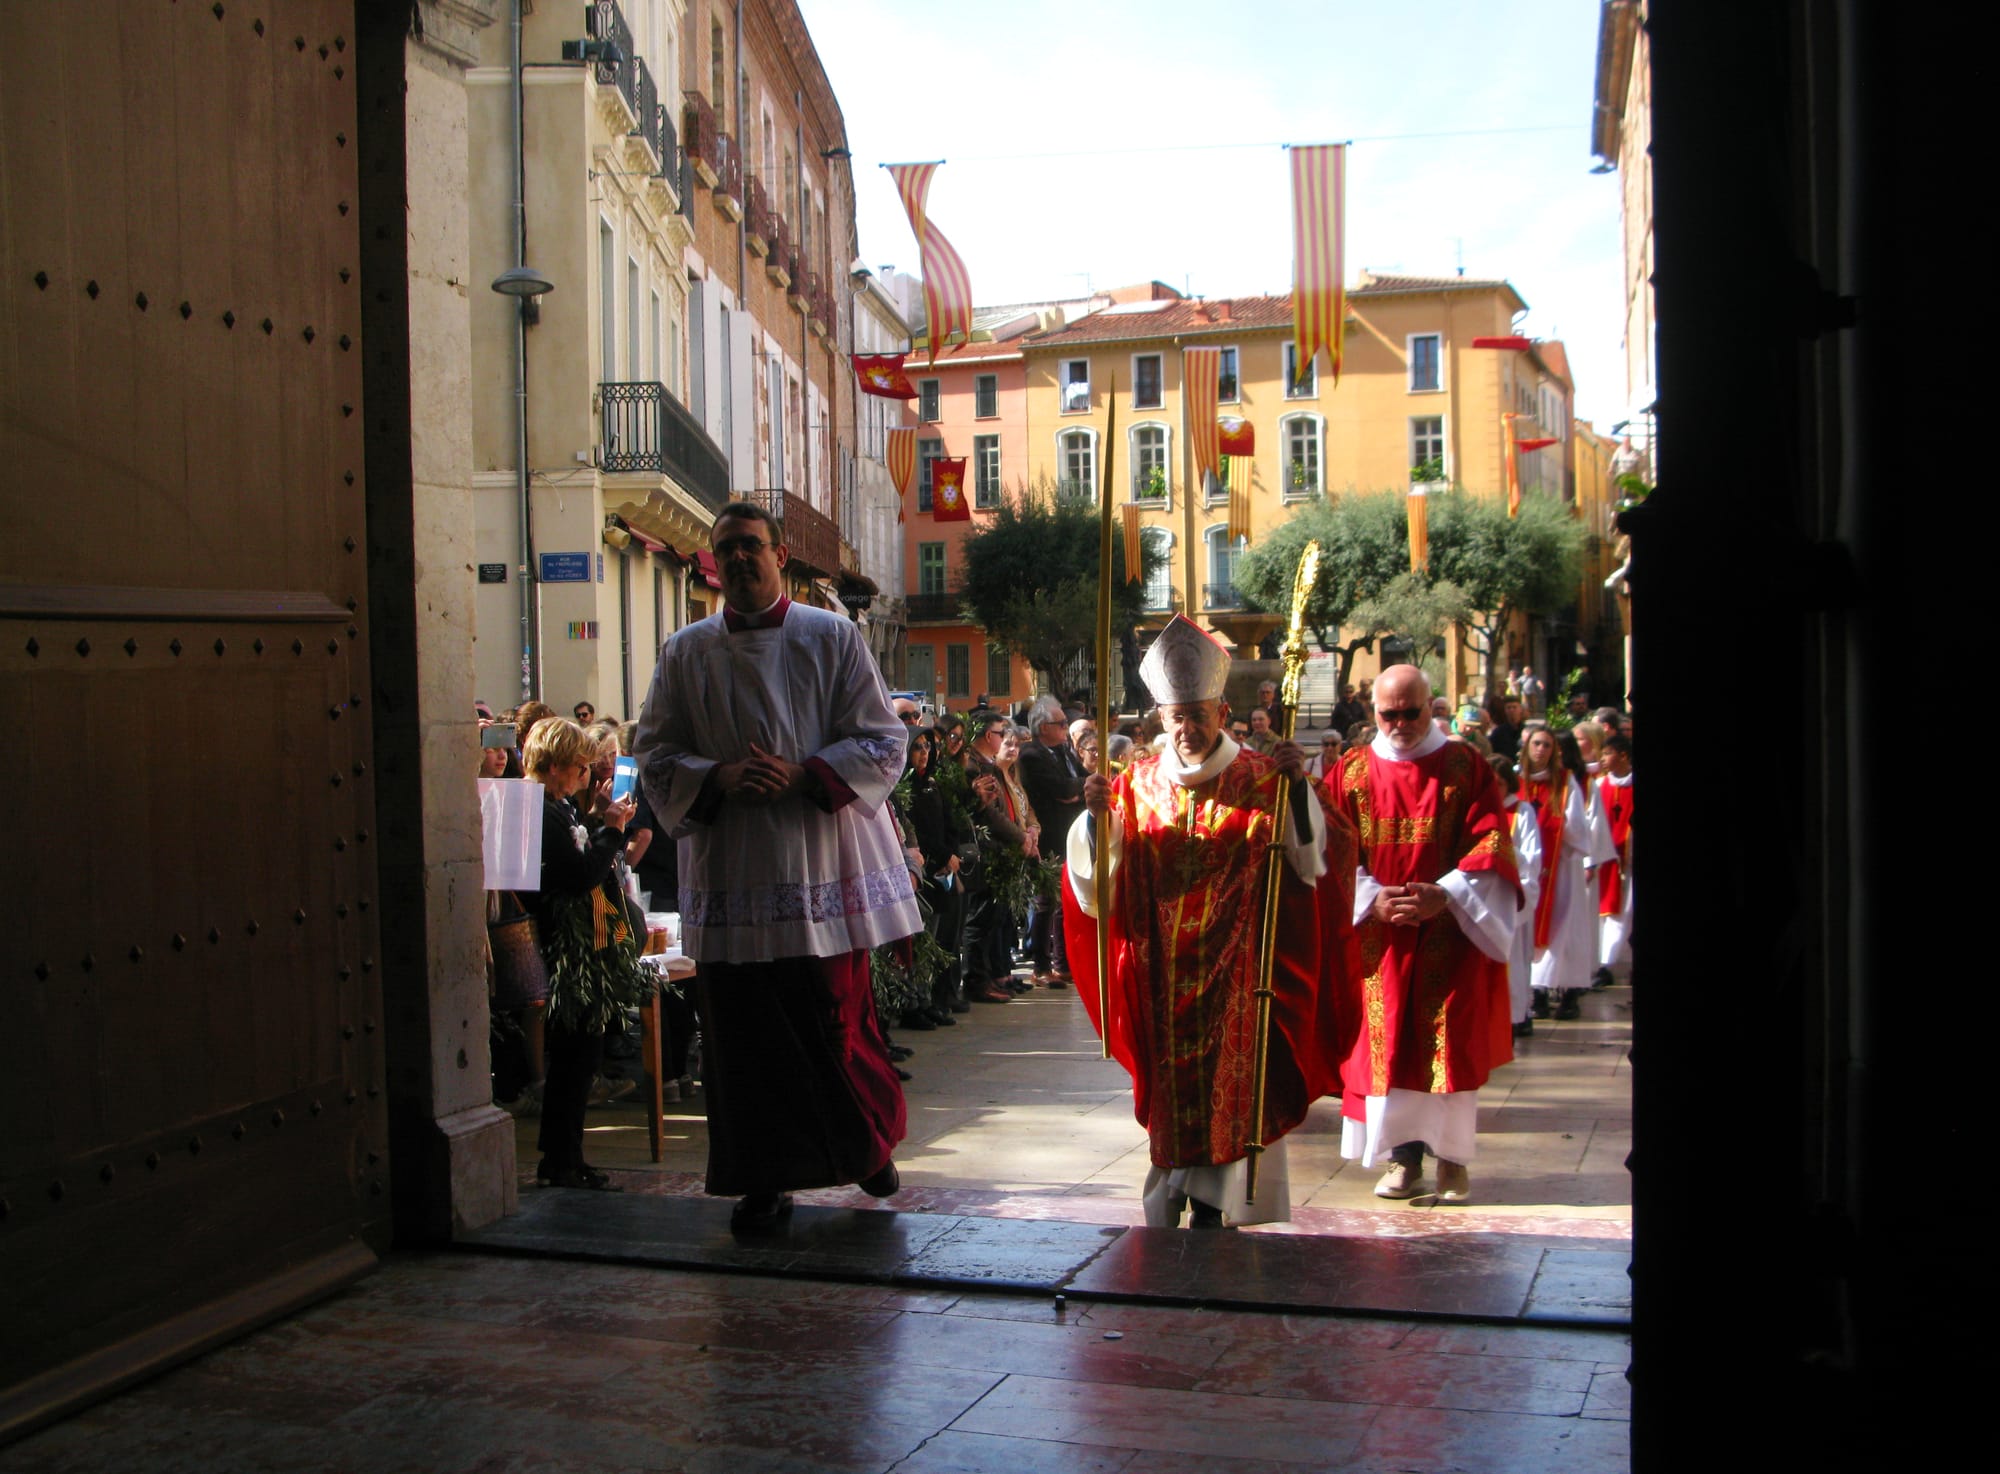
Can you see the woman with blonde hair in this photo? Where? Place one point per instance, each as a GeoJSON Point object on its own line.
{"type": "Point", "coordinates": [586, 941]}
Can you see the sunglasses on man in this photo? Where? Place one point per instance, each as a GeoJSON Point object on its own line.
{"type": "Point", "coordinates": [1400, 713]}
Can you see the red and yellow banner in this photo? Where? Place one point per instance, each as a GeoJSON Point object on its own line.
{"type": "Point", "coordinates": [1239, 498]}
{"type": "Point", "coordinates": [1513, 450]}
{"type": "Point", "coordinates": [1201, 377]}
{"type": "Point", "coordinates": [1236, 436]}
{"type": "Point", "coordinates": [882, 374]}
{"type": "Point", "coordinates": [947, 287]}
{"type": "Point", "coordinates": [1319, 229]}
{"type": "Point", "coordinates": [948, 503]}
{"type": "Point", "coordinates": [902, 458]}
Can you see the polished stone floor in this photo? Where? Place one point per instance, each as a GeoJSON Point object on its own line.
{"type": "Point", "coordinates": [458, 1363]}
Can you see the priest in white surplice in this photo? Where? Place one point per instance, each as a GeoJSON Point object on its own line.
{"type": "Point", "coordinates": [769, 747]}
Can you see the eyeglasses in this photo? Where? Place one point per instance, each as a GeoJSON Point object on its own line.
{"type": "Point", "coordinates": [740, 545]}
{"type": "Point", "coordinates": [1399, 713]}
{"type": "Point", "coordinates": [907, 716]}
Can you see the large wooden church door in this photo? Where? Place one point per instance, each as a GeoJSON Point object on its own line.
{"type": "Point", "coordinates": [191, 1120]}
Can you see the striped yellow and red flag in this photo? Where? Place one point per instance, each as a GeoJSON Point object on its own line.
{"type": "Point", "coordinates": [1135, 557]}
{"type": "Point", "coordinates": [902, 458]}
{"type": "Point", "coordinates": [1319, 230]}
{"type": "Point", "coordinates": [947, 287]}
{"type": "Point", "coordinates": [1239, 498]}
{"type": "Point", "coordinates": [1201, 379]}
{"type": "Point", "coordinates": [1513, 450]}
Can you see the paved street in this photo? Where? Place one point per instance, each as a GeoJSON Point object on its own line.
{"type": "Point", "coordinates": [1012, 1113]}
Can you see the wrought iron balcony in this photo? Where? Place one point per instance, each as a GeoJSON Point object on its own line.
{"type": "Point", "coordinates": [728, 175]}
{"type": "Point", "coordinates": [810, 536]}
{"type": "Point", "coordinates": [1222, 596]}
{"type": "Point", "coordinates": [1162, 601]}
{"type": "Point", "coordinates": [646, 429]}
{"type": "Point", "coordinates": [699, 137]}
{"type": "Point", "coordinates": [603, 21]}
{"type": "Point", "coordinates": [759, 222]}
{"type": "Point", "coordinates": [933, 609]}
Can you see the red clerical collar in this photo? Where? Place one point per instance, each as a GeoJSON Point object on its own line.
{"type": "Point", "coordinates": [768, 619]}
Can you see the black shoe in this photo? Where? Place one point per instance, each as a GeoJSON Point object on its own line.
{"type": "Point", "coordinates": [1570, 1008]}
{"type": "Point", "coordinates": [918, 1020]}
{"type": "Point", "coordinates": [1060, 980]}
{"type": "Point", "coordinates": [760, 1212]}
{"type": "Point", "coordinates": [900, 1052]}
{"type": "Point", "coordinates": [901, 1073]}
{"type": "Point", "coordinates": [883, 1182]}
{"type": "Point", "coordinates": [1542, 1006]}
{"type": "Point", "coordinates": [582, 1176]}
{"type": "Point", "coordinates": [1205, 1216]}
{"type": "Point", "coordinates": [1018, 986]}
{"type": "Point", "coordinates": [1525, 1029]}
{"type": "Point", "coordinates": [1601, 978]}
{"type": "Point", "coordinates": [959, 1005]}
{"type": "Point", "coordinates": [943, 1017]}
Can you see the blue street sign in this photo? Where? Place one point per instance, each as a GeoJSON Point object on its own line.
{"type": "Point", "coordinates": [565, 568]}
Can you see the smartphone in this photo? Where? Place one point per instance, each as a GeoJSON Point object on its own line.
{"type": "Point", "coordinates": [496, 736]}
{"type": "Point", "coordinates": [624, 778]}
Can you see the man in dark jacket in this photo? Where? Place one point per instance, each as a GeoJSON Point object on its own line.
{"type": "Point", "coordinates": [1052, 774]}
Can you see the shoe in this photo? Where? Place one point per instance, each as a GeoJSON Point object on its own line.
{"type": "Point", "coordinates": [1402, 1180]}
{"type": "Point", "coordinates": [528, 1103]}
{"type": "Point", "coordinates": [1570, 1008]}
{"type": "Point", "coordinates": [900, 1052]}
{"type": "Point", "coordinates": [920, 1021]}
{"type": "Point", "coordinates": [1042, 979]}
{"type": "Point", "coordinates": [1601, 978]}
{"type": "Point", "coordinates": [959, 1005]}
{"type": "Point", "coordinates": [1525, 1029]}
{"type": "Point", "coordinates": [1205, 1216]}
{"type": "Point", "coordinates": [1018, 986]}
{"type": "Point", "coordinates": [690, 1087]}
{"type": "Point", "coordinates": [583, 1176]}
{"type": "Point", "coordinates": [901, 1073]}
{"type": "Point", "coordinates": [607, 1088]}
{"type": "Point", "coordinates": [882, 1183]}
{"type": "Point", "coordinates": [670, 1092]}
{"type": "Point", "coordinates": [1543, 1009]}
{"type": "Point", "coordinates": [1058, 980]}
{"type": "Point", "coordinates": [1454, 1182]}
{"type": "Point", "coordinates": [944, 1019]}
{"type": "Point", "coordinates": [992, 993]}
{"type": "Point", "coordinates": [760, 1212]}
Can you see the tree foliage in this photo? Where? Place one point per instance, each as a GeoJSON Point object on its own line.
{"type": "Point", "coordinates": [1030, 581]}
{"type": "Point", "coordinates": [1505, 565]}
{"type": "Point", "coordinates": [1417, 609]}
{"type": "Point", "coordinates": [1364, 543]}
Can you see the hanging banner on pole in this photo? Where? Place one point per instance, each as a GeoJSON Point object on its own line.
{"type": "Point", "coordinates": [948, 503]}
{"type": "Point", "coordinates": [1201, 378]}
{"type": "Point", "coordinates": [902, 460]}
{"type": "Point", "coordinates": [947, 287]}
{"type": "Point", "coordinates": [882, 374]}
{"type": "Point", "coordinates": [1319, 227]}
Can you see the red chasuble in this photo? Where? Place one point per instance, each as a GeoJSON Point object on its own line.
{"type": "Point", "coordinates": [1185, 937]}
{"type": "Point", "coordinates": [1617, 803]}
{"type": "Point", "coordinates": [1551, 801]}
{"type": "Point", "coordinates": [1427, 1009]}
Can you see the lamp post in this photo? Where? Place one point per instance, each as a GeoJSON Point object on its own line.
{"type": "Point", "coordinates": [525, 286]}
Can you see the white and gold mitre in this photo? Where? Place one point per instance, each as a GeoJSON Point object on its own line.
{"type": "Point", "coordinates": [1185, 664]}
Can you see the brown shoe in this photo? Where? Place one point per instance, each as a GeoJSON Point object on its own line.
{"type": "Point", "coordinates": [1454, 1182]}
{"type": "Point", "coordinates": [1402, 1180]}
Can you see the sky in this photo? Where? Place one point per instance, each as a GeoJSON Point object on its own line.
{"type": "Point", "coordinates": [1093, 143]}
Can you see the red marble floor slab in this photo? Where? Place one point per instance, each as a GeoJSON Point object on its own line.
{"type": "Point", "coordinates": [1407, 1379]}
{"type": "Point", "coordinates": [1487, 1278]}
{"type": "Point", "coordinates": [1436, 1441]}
{"type": "Point", "coordinates": [1312, 1330]}
{"type": "Point", "coordinates": [1216, 1425]}
{"type": "Point", "coordinates": [1075, 1352]}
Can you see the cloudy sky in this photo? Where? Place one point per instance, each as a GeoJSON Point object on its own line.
{"type": "Point", "coordinates": [1090, 143]}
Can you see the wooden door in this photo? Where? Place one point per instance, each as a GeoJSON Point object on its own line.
{"type": "Point", "coordinates": [193, 1121]}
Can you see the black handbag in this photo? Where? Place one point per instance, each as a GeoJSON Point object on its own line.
{"type": "Point", "coordinates": [520, 976]}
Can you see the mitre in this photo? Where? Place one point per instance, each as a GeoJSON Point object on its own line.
{"type": "Point", "coordinates": [1185, 664]}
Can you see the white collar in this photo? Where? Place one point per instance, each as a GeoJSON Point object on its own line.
{"type": "Point", "coordinates": [1617, 782]}
{"type": "Point", "coordinates": [1383, 748]}
{"type": "Point", "coordinates": [1224, 754]}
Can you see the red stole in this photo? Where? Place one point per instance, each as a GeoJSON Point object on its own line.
{"type": "Point", "coordinates": [1617, 801]}
{"type": "Point", "coordinates": [1427, 1010]}
{"type": "Point", "coordinates": [1186, 930]}
{"type": "Point", "coordinates": [1551, 803]}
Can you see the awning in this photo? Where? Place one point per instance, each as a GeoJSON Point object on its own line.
{"type": "Point", "coordinates": [650, 544]}
{"type": "Point", "coordinates": [705, 561]}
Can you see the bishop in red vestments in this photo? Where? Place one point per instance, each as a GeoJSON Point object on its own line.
{"type": "Point", "coordinates": [1192, 832]}
{"type": "Point", "coordinates": [1437, 898]}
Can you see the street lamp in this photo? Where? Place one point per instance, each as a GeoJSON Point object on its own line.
{"type": "Point", "coordinates": [522, 281]}
{"type": "Point", "coordinates": [526, 286]}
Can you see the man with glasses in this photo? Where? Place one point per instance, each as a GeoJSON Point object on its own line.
{"type": "Point", "coordinates": [584, 712]}
{"type": "Point", "coordinates": [1437, 896]}
{"type": "Point", "coordinates": [768, 743]}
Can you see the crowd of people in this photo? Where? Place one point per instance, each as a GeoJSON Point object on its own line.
{"type": "Point", "coordinates": [849, 868]}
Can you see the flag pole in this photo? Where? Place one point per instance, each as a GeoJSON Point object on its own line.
{"type": "Point", "coordinates": [1101, 831]}
{"type": "Point", "coordinates": [1293, 654]}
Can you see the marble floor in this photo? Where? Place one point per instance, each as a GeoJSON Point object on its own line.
{"type": "Point", "coordinates": [456, 1363]}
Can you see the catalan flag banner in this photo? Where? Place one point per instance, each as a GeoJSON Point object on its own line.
{"type": "Point", "coordinates": [1513, 453]}
{"type": "Point", "coordinates": [1201, 376]}
{"type": "Point", "coordinates": [1319, 228]}
{"type": "Point", "coordinates": [1420, 529]}
{"type": "Point", "coordinates": [1239, 499]}
{"type": "Point", "coordinates": [1236, 436]}
{"type": "Point", "coordinates": [902, 457]}
{"type": "Point", "coordinates": [882, 374]}
{"type": "Point", "coordinates": [1135, 554]}
{"type": "Point", "coordinates": [947, 287]}
{"type": "Point", "coordinates": [948, 503]}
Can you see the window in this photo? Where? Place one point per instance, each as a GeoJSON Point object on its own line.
{"type": "Point", "coordinates": [1229, 384]}
{"type": "Point", "coordinates": [1149, 463]}
{"type": "Point", "coordinates": [1301, 435]}
{"type": "Point", "coordinates": [986, 470]}
{"type": "Point", "coordinates": [775, 385]}
{"type": "Point", "coordinates": [1427, 448]}
{"type": "Point", "coordinates": [999, 672]}
{"type": "Point", "coordinates": [607, 327]}
{"type": "Point", "coordinates": [1425, 352]}
{"type": "Point", "coordinates": [1222, 552]}
{"type": "Point", "coordinates": [659, 364]}
{"type": "Point", "coordinates": [922, 667]}
{"type": "Point", "coordinates": [1294, 387]}
{"type": "Point", "coordinates": [632, 369]}
{"type": "Point", "coordinates": [986, 396]}
{"type": "Point", "coordinates": [718, 68]}
{"type": "Point", "coordinates": [1146, 381]}
{"type": "Point", "coordinates": [1159, 592]}
{"type": "Point", "coordinates": [930, 568]}
{"type": "Point", "coordinates": [927, 451]}
{"type": "Point", "coordinates": [928, 397]}
{"type": "Point", "coordinates": [1076, 386]}
{"type": "Point", "coordinates": [958, 670]}
{"type": "Point", "coordinates": [1076, 452]}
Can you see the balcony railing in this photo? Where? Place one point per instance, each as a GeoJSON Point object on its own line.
{"type": "Point", "coordinates": [603, 21]}
{"type": "Point", "coordinates": [782, 258]}
{"type": "Point", "coordinates": [1221, 596]}
{"type": "Point", "coordinates": [698, 137]}
{"type": "Point", "coordinates": [759, 223]}
{"type": "Point", "coordinates": [933, 609]}
{"type": "Point", "coordinates": [646, 429]}
{"type": "Point", "coordinates": [810, 536]}
{"type": "Point", "coordinates": [1161, 601]}
{"type": "Point", "coordinates": [728, 175]}
{"type": "Point", "coordinates": [645, 100]}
